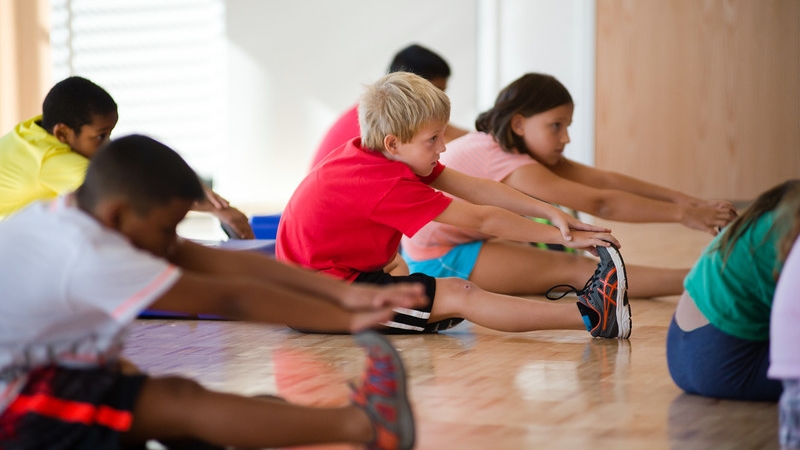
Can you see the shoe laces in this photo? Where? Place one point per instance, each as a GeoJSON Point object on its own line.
{"type": "Point", "coordinates": [550, 295]}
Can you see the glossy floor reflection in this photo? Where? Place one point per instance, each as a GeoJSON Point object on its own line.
{"type": "Point", "coordinates": [474, 388]}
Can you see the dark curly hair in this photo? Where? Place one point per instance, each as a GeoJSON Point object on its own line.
{"type": "Point", "coordinates": [73, 101]}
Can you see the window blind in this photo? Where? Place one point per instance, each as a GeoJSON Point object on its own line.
{"type": "Point", "coordinates": [163, 62]}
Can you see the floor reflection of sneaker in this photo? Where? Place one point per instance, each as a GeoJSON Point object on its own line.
{"type": "Point", "coordinates": [603, 301]}
{"type": "Point", "coordinates": [603, 370]}
{"type": "Point", "coordinates": [382, 394]}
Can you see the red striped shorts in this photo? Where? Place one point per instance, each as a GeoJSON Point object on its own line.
{"type": "Point", "coordinates": [70, 409]}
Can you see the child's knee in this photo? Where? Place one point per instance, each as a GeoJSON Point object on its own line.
{"type": "Point", "coordinates": [454, 292]}
{"type": "Point", "coordinates": [172, 403]}
{"type": "Point", "coordinates": [455, 286]}
{"type": "Point", "coordinates": [177, 390]}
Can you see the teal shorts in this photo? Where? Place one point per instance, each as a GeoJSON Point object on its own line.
{"type": "Point", "coordinates": [458, 262]}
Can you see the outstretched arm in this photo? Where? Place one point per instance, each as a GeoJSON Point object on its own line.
{"type": "Point", "coordinates": [481, 191]}
{"type": "Point", "coordinates": [604, 179]}
{"type": "Point", "coordinates": [505, 224]}
{"type": "Point", "coordinates": [255, 265]}
{"type": "Point", "coordinates": [246, 298]}
{"type": "Point", "coordinates": [227, 215]}
{"type": "Point", "coordinates": [593, 191]}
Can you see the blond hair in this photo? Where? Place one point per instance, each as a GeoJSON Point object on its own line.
{"type": "Point", "coordinates": [400, 103]}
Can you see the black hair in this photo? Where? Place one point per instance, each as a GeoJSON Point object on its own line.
{"type": "Point", "coordinates": [73, 101]}
{"type": "Point", "coordinates": [420, 61]}
{"type": "Point", "coordinates": [765, 203]}
{"type": "Point", "coordinates": [528, 95]}
{"type": "Point", "coordinates": [143, 170]}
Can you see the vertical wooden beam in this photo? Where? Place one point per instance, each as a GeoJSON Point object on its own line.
{"type": "Point", "coordinates": [24, 59]}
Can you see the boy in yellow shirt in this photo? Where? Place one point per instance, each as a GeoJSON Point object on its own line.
{"type": "Point", "coordinates": [47, 155]}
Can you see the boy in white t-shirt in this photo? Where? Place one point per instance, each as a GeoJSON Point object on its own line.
{"type": "Point", "coordinates": [77, 271]}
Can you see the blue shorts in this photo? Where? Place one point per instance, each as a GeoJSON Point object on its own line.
{"type": "Point", "coordinates": [711, 363]}
{"type": "Point", "coordinates": [458, 262]}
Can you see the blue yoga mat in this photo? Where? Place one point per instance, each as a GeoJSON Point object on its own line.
{"type": "Point", "coordinates": [263, 245]}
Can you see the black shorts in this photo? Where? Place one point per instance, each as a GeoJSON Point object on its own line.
{"type": "Point", "coordinates": [410, 320]}
{"type": "Point", "coordinates": [60, 409]}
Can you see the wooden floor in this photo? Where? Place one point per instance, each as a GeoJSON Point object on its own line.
{"type": "Point", "coordinates": [474, 388]}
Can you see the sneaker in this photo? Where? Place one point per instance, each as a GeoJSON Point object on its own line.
{"type": "Point", "coordinates": [382, 394]}
{"type": "Point", "coordinates": [603, 301]}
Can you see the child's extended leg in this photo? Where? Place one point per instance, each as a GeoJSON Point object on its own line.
{"type": "Point", "coordinates": [380, 416]}
{"type": "Point", "coordinates": [603, 304]}
{"type": "Point", "coordinates": [520, 269]}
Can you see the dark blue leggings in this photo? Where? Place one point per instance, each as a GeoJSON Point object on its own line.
{"type": "Point", "coordinates": [711, 363]}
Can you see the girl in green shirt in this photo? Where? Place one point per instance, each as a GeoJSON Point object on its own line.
{"type": "Point", "coordinates": [718, 341]}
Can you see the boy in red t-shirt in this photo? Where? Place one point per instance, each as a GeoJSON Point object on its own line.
{"type": "Point", "coordinates": [347, 217]}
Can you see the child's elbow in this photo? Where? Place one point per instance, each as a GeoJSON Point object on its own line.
{"type": "Point", "coordinates": [601, 207]}
{"type": "Point", "coordinates": [485, 220]}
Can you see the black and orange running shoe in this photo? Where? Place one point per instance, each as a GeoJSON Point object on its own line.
{"type": "Point", "coordinates": [603, 301]}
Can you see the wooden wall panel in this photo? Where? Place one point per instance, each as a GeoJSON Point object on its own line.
{"type": "Point", "coordinates": [24, 59]}
{"type": "Point", "coordinates": [701, 96]}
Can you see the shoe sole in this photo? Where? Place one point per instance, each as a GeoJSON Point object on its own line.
{"type": "Point", "coordinates": [405, 417]}
{"type": "Point", "coordinates": [623, 313]}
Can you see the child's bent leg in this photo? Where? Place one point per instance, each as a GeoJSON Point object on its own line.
{"type": "Point", "coordinates": [461, 298]}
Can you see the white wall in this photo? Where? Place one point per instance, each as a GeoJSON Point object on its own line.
{"type": "Point", "coordinates": [556, 37]}
{"type": "Point", "coordinates": [294, 66]}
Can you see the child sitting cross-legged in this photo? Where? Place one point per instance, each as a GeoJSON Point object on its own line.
{"type": "Point", "coordinates": [718, 343]}
{"type": "Point", "coordinates": [347, 216]}
{"type": "Point", "coordinates": [77, 271]}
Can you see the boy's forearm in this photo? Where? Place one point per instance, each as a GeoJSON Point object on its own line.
{"type": "Point", "coordinates": [250, 299]}
{"type": "Point", "coordinates": [506, 197]}
{"type": "Point", "coordinates": [253, 264]}
{"type": "Point", "coordinates": [279, 305]}
{"type": "Point", "coordinates": [302, 279]}
{"type": "Point", "coordinates": [507, 225]}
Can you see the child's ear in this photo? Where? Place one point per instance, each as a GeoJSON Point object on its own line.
{"type": "Point", "coordinates": [111, 213]}
{"type": "Point", "coordinates": [390, 143]}
{"type": "Point", "coordinates": [63, 133]}
{"type": "Point", "coordinates": [517, 124]}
